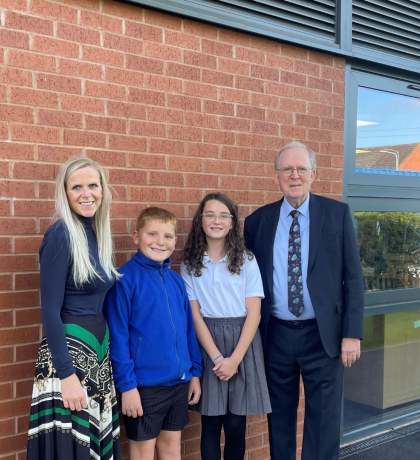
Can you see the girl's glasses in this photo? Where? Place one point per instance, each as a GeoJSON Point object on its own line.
{"type": "Point", "coordinates": [223, 217]}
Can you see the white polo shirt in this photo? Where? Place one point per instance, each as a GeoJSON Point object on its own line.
{"type": "Point", "coordinates": [221, 294]}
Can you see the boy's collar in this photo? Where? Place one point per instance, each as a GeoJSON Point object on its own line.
{"type": "Point", "coordinates": [145, 261]}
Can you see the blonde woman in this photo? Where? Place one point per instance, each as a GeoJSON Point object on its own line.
{"type": "Point", "coordinates": [74, 413]}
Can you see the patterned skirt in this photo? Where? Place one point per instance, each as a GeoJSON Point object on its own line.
{"type": "Point", "coordinates": [57, 433]}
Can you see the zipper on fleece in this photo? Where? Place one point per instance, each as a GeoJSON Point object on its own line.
{"type": "Point", "coordinates": [172, 318]}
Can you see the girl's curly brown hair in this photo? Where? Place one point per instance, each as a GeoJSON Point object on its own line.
{"type": "Point", "coordinates": [196, 245]}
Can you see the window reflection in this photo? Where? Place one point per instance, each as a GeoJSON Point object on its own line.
{"type": "Point", "coordinates": [385, 383]}
{"type": "Point", "coordinates": [388, 133]}
{"type": "Point", "coordinates": [389, 248]}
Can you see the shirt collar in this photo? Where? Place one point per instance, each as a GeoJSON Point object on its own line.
{"type": "Point", "coordinates": [207, 259]}
{"type": "Point", "coordinates": [287, 208]}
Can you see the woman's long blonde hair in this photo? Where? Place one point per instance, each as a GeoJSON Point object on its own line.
{"type": "Point", "coordinates": [83, 270]}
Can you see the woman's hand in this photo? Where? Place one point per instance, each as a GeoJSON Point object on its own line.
{"type": "Point", "coordinates": [226, 369]}
{"type": "Point", "coordinates": [74, 396]}
{"type": "Point", "coordinates": [194, 390]}
{"type": "Point", "coordinates": [131, 403]}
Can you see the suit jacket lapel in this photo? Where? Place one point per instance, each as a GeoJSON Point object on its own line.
{"type": "Point", "coordinates": [269, 234]}
{"type": "Point", "coordinates": [316, 216]}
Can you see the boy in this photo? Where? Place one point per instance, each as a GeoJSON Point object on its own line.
{"type": "Point", "coordinates": [154, 350]}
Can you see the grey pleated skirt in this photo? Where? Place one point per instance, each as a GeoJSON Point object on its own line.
{"type": "Point", "coordinates": [245, 393]}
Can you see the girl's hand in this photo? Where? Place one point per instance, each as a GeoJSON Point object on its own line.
{"type": "Point", "coordinates": [194, 390]}
{"type": "Point", "coordinates": [74, 397]}
{"type": "Point", "coordinates": [131, 403]}
{"type": "Point", "coordinates": [226, 369]}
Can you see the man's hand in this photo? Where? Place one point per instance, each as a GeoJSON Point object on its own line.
{"type": "Point", "coordinates": [73, 394]}
{"type": "Point", "coordinates": [350, 351]}
{"type": "Point", "coordinates": [226, 369]}
{"type": "Point", "coordinates": [131, 403]}
{"type": "Point", "coordinates": [194, 390]}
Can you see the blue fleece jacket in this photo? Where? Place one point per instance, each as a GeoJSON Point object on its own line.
{"type": "Point", "coordinates": [152, 337]}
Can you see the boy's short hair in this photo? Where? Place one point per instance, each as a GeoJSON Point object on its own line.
{"type": "Point", "coordinates": [155, 213]}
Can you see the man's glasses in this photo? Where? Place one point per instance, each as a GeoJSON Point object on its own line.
{"type": "Point", "coordinates": [287, 172]}
{"type": "Point", "coordinates": [223, 217]}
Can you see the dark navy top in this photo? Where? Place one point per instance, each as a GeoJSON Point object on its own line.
{"type": "Point", "coordinates": [59, 295]}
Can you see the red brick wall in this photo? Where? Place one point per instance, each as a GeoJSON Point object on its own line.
{"type": "Point", "coordinates": [173, 109]}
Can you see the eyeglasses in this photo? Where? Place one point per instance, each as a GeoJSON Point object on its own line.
{"type": "Point", "coordinates": [287, 172]}
{"type": "Point", "coordinates": [223, 217]}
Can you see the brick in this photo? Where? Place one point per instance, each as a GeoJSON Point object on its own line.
{"type": "Point", "coordinates": [5, 246]}
{"type": "Point", "coordinates": [16, 113]}
{"type": "Point", "coordinates": [60, 118]}
{"type": "Point", "coordinates": [6, 355]}
{"type": "Point", "coordinates": [127, 110]}
{"type": "Point", "coordinates": [338, 112]}
{"type": "Point", "coordinates": [108, 159]}
{"type": "Point", "coordinates": [87, 4]}
{"type": "Point", "coordinates": [84, 138]}
{"type": "Point", "coordinates": [265, 100]}
{"type": "Point", "coordinates": [201, 90]}
{"type": "Point", "coordinates": [82, 104]}
{"type": "Point", "coordinates": [56, 47]}
{"type": "Point", "coordinates": [34, 208]}
{"type": "Point", "coordinates": [27, 317]}
{"type": "Point", "coordinates": [236, 153]}
{"type": "Point", "coordinates": [292, 105]}
{"type": "Point", "coordinates": [23, 424]}
{"type": "Point", "coordinates": [217, 78]}
{"type": "Point", "coordinates": [249, 55]}
{"type": "Point", "coordinates": [147, 194]}
{"type": "Point", "coordinates": [185, 195]}
{"type": "Point", "coordinates": [235, 182]}
{"type": "Point", "coordinates": [319, 135]}
{"type": "Point", "coordinates": [15, 76]}
{"type": "Point", "coordinates": [308, 121]}
{"type": "Point", "coordinates": [321, 58]}
{"type": "Point", "coordinates": [4, 169]}
{"type": "Point", "coordinates": [260, 454]}
{"type": "Point", "coordinates": [185, 133]}
{"type": "Point", "coordinates": [146, 96]}
{"type": "Point", "coordinates": [78, 34]}
{"type": "Point", "coordinates": [80, 69]}
{"type": "Point", "coordinates": [234, 124]}
{"type": "Point", "coordinates": [185, 164]}
{"type": "Point", "coordinates": [24, 388]}
{"type": "Point", "coordinates": [294, 132]}
{"type": "Point", "coordinates": [143, 128]}
{"type": "Point", "coordinates": [279, 62]}
{"type": "Point", "coordinates": [34, 97]}
{"type": "Point", "coordinates": [234, 95]}
{"type": "Point", "coordinates": [6, 392]}
{"type": "Point", "coordinates": [234, 66]}
{"type": "Point", "coordinates": [145, 64]}
{"type": "Point", "coordinates": [182, 40]}
{"type": "Point", "coordinates": [7, 427]}
{"type": "Point", "coordinates": [19, 299]}
{"type": "Point", "coordinates": [31, 61]}
{"type": "Point", "coordinates": [125, 44]}
{"type": "Point", "coordinates": [14, 39]}
{"type": "Point", "coordinates": [123, 76]}
{"type": "Point", "coordinates": [58, 83]}
{"type": "Point", "coordinates": [46, 189]}
{"type": "Point", "coordinates": [200, 29]}
{"type": "Point", "coordinates": [331, 73]}
{"type": "Point", "coordinates": [320, 109]}
{"type": "Point", "coordinates": [4, 130]}
{"type": "Point", "coordinates": [307, 68]}
{"type": "Point", "coordinates": [143, 31]}
{"type": "Point", "coordinates": [5, 208]}
{"type": "Point", "coordinates": [199, 119]}
{"type": "Point", "coordinates": [162, 20]}
{"type": "Point", "coordinates": [165, 84]}
{"type": "Point", "coordinates": [293, 78]}
{"type": "Point", "coordinates": [219, 137]}
{"type": "Point", "coordinates": [105, 90]}
{"type": "Point", "coordinates": [183, 71]}
{"type": "Point", "coordinates": [14, 408]}
{"type": "Point", "coordinates": [265, 128]}
{"type": "Point", "coordinates": [120, 142]}
{"type": "Point", "coordinates": [15, 5]}
{"type": "Point", "coordinates": [53, 10]}
{"type": "Point", "coordinates": [167, 146]}
{"type": "Point", "coordinates": [279, 116]}
{"type": "Point", "coordinates": [102, 56]}
{"type": "Point", "coordinates": [202, 150]}
{"type": "Point", "coordinates": [250, 140]}
{"type": "Point", "coordinates": [184, 102]}
{"type": "Point", "coordinates": [29, 23]}
{"type": "Point", "coordinates": [169, 53]}
{"type": "Point", "coordinates": [333, 124]}
{"type": "Point", "coordinates": [165, 115]}
{"type": "Point", "coordinates": [123, 10]}
{"type": "Point", "coordinates": [206, 181]}
{"type": "Point", "coordinates": [16, 189]}
{"type": "Point", "coordinates": [52, 153]}
{"type": "Point", "coordinates": [220, 108]}
{"type": "Point", "coordinates": [100, 21]}
{"type": "Point", "coordinates": [246, 111]}
{"type": "Point", "coordinates": [219, 166]}
{"type": "Point", "coordinates": [331, 98]}
{"type": "Point", "coordinates": [35, 134]}
{"type": "Point", "coordinates": [250, 169]}
{"type": "Point", "coordinates": [146, 161]}
{"type": "Point", "coordinates": [166, 178]}
{"type": "Point", "coordinates": [320, 84]}
{"type": "Point", "coordinates": [27, 244]}
{"type": "Point", "coordinates": [126, 176]}
{"type": "Point", "coordinates": [200, 59]}
{"type": "Point", "coordinates": [251, 84]}
{"type": "Point", "coordinates": [258, 183]}
{"type": "Point", "coordinates": [266, 73]}
{"type": "Point", "coordinates": [339, 87]}
{"type": "Point", "coordinates": [107, 124]}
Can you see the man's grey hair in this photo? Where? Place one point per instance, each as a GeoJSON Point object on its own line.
{"type": "Point", "coordinates": [292, 145]}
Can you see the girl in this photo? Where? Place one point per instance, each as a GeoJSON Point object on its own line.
{"type": "Point", "coordinates": [225, 290]}
{"type": "Point", "coordinates": [74, 414]}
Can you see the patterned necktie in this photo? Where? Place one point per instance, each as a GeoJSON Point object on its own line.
{"type": "Point", "coordinates": [294, 270]}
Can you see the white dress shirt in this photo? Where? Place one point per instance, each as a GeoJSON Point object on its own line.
{"type": "Point", "coordinates": [221, 294]}
{"type": "Point", "coordinates": [280, 307]}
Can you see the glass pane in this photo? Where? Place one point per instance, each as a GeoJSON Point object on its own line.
{"type": "Point", "coordinates": [388, 133]}
{"type": "Point", "coordinates": [385, 383]}
{"type": "Point", "coordinates": [389, 248]}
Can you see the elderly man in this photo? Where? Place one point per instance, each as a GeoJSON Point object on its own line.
{"type": "Point", "coordinates": [312, 314]}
